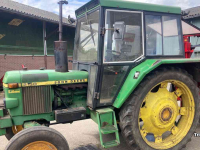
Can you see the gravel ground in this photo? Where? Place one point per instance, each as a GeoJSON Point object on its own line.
{"type": "Point", "coordinates": [85, 132]}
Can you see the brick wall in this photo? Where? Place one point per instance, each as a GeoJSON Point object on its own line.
{"type": "Point", "coordinates": [9, 63]}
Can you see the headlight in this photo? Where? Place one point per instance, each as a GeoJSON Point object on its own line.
{"type": "Point", "coordinates": [13, 85]}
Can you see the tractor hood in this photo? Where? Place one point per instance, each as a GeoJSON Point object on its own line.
{"type": "Point", "coordinates": [44, 77]}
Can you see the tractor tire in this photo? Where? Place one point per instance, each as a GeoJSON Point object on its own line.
{"type": "Point", "coordinates": [134, 120]}
{"type": "Point", "coordinates": [38, 138]}
{"type": "Point", "coordinates": [9, 133]}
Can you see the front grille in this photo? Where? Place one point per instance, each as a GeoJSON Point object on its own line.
{"type": "Point", "coordinates": [37, 100]}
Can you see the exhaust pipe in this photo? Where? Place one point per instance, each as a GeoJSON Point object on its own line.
{"type": "Point", "coordinates": [60, 47]}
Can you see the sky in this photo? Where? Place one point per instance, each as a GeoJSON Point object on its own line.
{"type": "Point", "coordinates": [52, 6]}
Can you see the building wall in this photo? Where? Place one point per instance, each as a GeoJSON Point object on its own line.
{"type": "Point", "coordinates": [23, 44]}
{"type": "Point", "coordinates": [27, 38]}
{"type": "Point", "coordinates": [195, 40]}
{"type": "Point", "coordinates": [9, 63]}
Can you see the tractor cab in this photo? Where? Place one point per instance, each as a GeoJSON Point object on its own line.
{"type": "Point", "coordinates": [114, 36]}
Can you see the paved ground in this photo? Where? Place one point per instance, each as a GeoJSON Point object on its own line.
{"type": "Point", "coordinates": [85, 132]}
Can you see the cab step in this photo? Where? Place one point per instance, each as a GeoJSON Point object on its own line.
{"type": "Point", "coordinates": [108, 129]}
{"type": "Point", "coordinates": [111, 144]}
{"type": "Point", "coordinates": [107, 124]}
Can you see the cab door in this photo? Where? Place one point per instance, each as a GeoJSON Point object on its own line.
{"type": "Point", "coordinates": [120, 51]}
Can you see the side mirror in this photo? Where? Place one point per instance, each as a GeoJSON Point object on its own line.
{"type": "Point", "coordinates": [119, 30]}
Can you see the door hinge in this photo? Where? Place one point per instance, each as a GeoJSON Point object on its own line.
{"type": "Point", "coordinates": [96, 95]}
{"type": "Point", "coordinates": [103, 31]}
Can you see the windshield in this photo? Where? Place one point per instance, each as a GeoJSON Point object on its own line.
{"type": "Point", "coordinates": [86, 40]}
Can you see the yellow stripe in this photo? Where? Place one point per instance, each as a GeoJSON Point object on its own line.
{"type": "Point", "coordinates": [13, 91]}
{"type": "Point", "coordinates": [50, 83]}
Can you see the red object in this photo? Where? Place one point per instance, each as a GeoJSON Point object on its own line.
{"type": "Point", "coordinates": [23, 66]}
{"type": "Point", "coordinates": [1, 81]}
{"type": "Point", "coordinates": [187, 45]}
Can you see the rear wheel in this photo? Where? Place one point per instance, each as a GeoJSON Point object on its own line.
{"type": "Point", "coordinates": [43, 138]}
{"type": "Point", "coordinates": [163, 112]}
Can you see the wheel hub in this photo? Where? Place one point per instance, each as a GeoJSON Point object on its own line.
{"type": "Point", "coordinates": [160, 111]}
{"type": "Point", "coordinates": [166, 114]}
{"type": "Point", "coordinates": [40, 145]}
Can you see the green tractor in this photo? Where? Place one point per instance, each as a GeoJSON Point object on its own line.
{"type": "Point", "coordinates": [132, 72]}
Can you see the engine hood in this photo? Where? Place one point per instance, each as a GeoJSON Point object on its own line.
{"type": "Point", "coordinates": [45, 77]}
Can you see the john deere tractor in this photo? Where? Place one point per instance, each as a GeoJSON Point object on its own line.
{"type": "Point", "coordinates": [132, 70]}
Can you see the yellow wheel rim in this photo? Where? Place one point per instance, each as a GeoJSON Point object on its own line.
{"type": "Point", "coordinates": [17, 129]}
{"type": "Point", "coordinates": [166, 114]}
{"type": "Point", "coordinates": [40, 145]}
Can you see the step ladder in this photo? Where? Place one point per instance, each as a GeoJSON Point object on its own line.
{"type": "Point", "coordinates": [107, 123]}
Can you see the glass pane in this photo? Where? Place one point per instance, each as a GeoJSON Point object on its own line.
{"type": "Point", "coordinates": [130, 46]}
{"type": "Point", "coordinates": [112, 79]}
{"type": "Point", "coordinates": [188, 29]}
{"type": "Point", "coordinates": [172, 36]}
{"type": "Point", "coordinates": [153, 35]}
{"type": "Point", "coordinates": [91, 84]}
{"type": "Point", "coordinates": [86, 41]}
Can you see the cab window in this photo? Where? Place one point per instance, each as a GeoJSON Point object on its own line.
{"type": "Point", "coordinates": [123, 39]}
{"type": "Point", "coordinates": [163, 35]}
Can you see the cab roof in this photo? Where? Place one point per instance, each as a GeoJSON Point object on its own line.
{"type": "Point", "coordinates": [129, 4]}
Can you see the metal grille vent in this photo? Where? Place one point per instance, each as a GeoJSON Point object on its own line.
{"type": "Point", "coordinates": [37, 100]}
{"type": "Point", "coordinates": [88, 6]}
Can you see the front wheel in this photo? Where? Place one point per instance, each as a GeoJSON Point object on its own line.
{"type": "Point", "coordinates": [37, 138]}
{"type": "Point", "coordinates": [163, 111]}
{"type": "Point", "coordinates": [10, 132]}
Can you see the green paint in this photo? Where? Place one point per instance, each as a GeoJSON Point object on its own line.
{"type": "Point", "coordinates": [6, 122]}
{"type": "Point", "coordinates": [2, 132]}
{"type": "Point", "coordinates": [12, 77]}
{"type": "Point", "coordinates": [93, 116]}
{"type": "Point", "coordinates": [1, 112]}
{"type": "Point", "coordinates": [144, 68]}
{"type": "Point", "coordinates": [107, 124]}
{"type": "Point", "coordinates": [16, 111]}
{"type": "Point", "coordinates": [88, 11]}
{"type": "Point", "coordinates": [19, 120]}
{"type": "Point", "coordinates": [27, 38]}
{"type": "Point", "coordinates": [31, 124]}
{"type": "Point", "coordinates": [128, 4]}
{"type": "Point", "coordinates": [140, 6]}
{"type": "Point", "coordinates": [16, 76]}
{"type": "Point", "coordinates": [11, 103]}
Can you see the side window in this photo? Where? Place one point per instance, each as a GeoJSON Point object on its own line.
{"type": "Point", "coordinates": [113, 77]}
{"type": "Point", "coordinates": [128, 45]}
{"type": "Point", "coordinates": [153, 35]}
{"type": "Point", "coordinates": [163, 35]}
{"type": "Point", "coordinates": [171, 36]}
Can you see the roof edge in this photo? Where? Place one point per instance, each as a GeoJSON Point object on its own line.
{"type": "Point", "coordinates": [35, 17]}
{"type": "Point", "coordinates": [141, 6]}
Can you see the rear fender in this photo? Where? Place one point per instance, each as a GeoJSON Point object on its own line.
{"type": "Point", "coordinates": [144, 68]}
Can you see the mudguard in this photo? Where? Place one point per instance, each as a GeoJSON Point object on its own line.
{"type": "Point", "coordinates": [144, 68]}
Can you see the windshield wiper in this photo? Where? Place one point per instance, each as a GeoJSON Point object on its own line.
{"type": "Point", "coordinates": [87, 41]}
{"type": "Point", "coordinates": [91, 30]}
